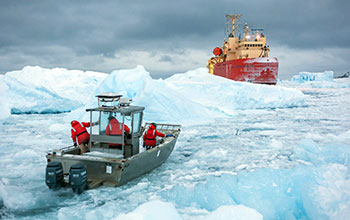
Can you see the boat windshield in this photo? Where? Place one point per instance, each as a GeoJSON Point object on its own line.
{"type": "Point", "coordinates": [137, 123]}
{"type": "Point", "coordinates": [103, 119]}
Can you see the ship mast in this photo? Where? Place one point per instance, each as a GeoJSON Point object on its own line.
{"type": "Point", "coordinates": [232, 18]}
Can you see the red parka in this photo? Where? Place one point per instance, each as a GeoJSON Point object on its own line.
{"type": "Point", "coordinates": [116, 128]}
{"type": "Point", "coordinates": [150, 136]}
{"type": "Point", "coordinates": [79, 131]}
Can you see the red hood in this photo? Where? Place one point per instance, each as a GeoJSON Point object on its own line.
{"type": "Point", "coordinates": [74, 122]}
{"type": "Point", "coordinates": [152, 127]}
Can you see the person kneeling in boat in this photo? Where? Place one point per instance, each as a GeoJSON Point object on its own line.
{"type": "Point", "coordinates": [79, 132]}
{"type": "Point", "coordinates": [150, 136]}
{"type": "Point", "coordinates": [115, 128]}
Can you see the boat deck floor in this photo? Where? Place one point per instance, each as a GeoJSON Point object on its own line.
{"type": "Point", "coordinates": [106, 154]}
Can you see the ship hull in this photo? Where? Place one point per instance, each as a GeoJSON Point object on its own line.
{"type": "Point", "coordinates": [263, 70]}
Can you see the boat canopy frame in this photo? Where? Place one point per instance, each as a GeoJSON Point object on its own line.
{"type": "Point", "coordinates": [123, 109]}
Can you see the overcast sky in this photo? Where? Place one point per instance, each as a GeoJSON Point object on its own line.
{"type": "Point", "coordinates": [168, 37]}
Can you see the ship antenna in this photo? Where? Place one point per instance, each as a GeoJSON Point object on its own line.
{"type": "Point", "coordinates": [231, 19]}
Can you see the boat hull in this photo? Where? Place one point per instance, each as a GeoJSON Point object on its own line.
{"type": "Point", "coordinates": [263, 70]}
{"type": "Point", "coordinates": [121, 170]}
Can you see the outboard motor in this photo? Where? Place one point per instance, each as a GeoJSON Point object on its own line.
{"type": "Point", "coordinates": [77, 178]}
{"type": "Point", "coordinates": [54, 175]}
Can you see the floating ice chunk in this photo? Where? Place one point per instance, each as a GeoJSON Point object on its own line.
{"type": "Point", "coordinates": [310, 151]}
{"type": "Point", "coordinates": [153, 210]}
{"type": "Point", "coordinates": [232, 212]}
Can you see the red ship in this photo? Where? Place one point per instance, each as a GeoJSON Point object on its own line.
{"type": "Point", "coordinates": [244, 58]}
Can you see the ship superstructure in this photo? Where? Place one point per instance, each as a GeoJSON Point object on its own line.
{"type": "Point", "coordinates": [244, 57]}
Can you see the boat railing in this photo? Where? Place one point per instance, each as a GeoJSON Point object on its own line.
{"type": "Point", "coordinates": [166, 127]}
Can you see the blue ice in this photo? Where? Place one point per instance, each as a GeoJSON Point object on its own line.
{"type": "Point", "coordinates": [316, 189]}
{"type": "Point", "coordinates": [313, 76]}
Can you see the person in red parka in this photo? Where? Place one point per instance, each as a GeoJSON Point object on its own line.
{"type": "Point", "coordinates": [114, 127]}
{"type": "Point", "coordinates": [150, 136]}
{"type": "Point", "coordinates": [79, 132]}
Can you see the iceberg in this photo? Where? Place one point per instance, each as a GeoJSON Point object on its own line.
{"type": "Point", "coordinates": [313, 76]}
{"type": "Point", "coordinates": [40, 90]}
{"type": "Point", "coordinates": [191, 97]}
{"type": "Point", "coordinates": [314, 80]}
{"type": "Point", "coordinates": [162, 102]}
{"type": "Point", "coordinates": [228, 95]}
{"type": "Point", "coordinates": [194, 96]}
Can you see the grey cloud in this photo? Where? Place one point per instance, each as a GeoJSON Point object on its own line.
{"type": "Point", "coordinates": [165, 58]}
{"type": "Point", "coordinates": [93, 28]}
